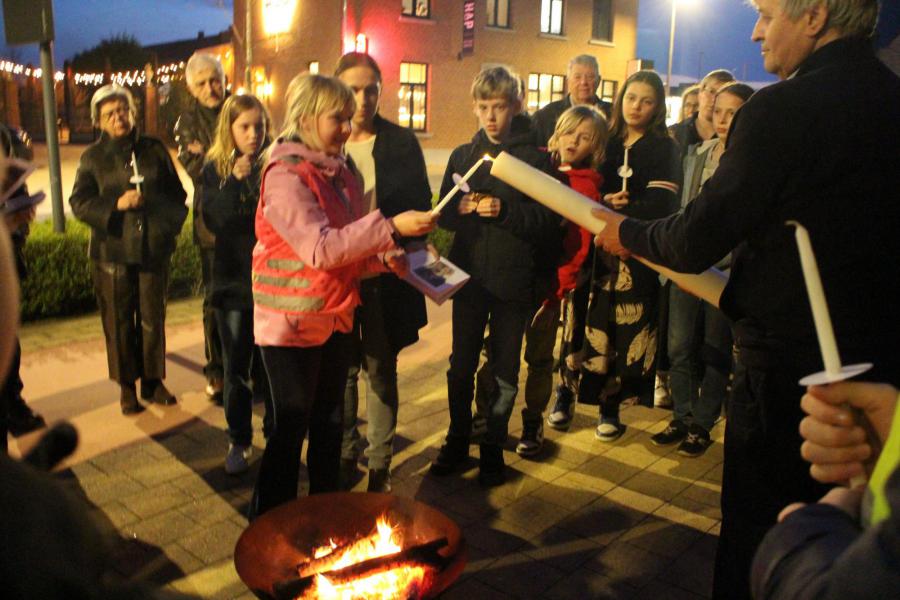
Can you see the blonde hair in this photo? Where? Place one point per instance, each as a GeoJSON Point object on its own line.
{"type": "Point", "coordinates": [570, 120]}
{"type": "Point", "coordinates": [311, 95]}
{"type": "Point", "coordinates": [496, 82]}
{"type": "Point", "coordinates": [222, 152]}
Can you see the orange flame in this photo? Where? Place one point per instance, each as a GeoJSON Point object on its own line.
{"type": "Point", "coordinates": [402, 582]}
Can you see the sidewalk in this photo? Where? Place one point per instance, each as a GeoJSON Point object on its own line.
{"type": "Point", "coordinates": [588, 520]}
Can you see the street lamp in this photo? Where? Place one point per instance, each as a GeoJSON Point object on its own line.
{"type": "Point", "coordinates": [672, 43]}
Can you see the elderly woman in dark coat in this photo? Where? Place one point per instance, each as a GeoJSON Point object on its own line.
{"type": "Point", "coordinates": [128, 191]}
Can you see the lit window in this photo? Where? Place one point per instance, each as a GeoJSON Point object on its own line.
{"type": "Point", "coordinates": [413, 96]}
{"type": "Point", "coordinates": [314, 67]}
{"type": "Point", "coordinates": [416, 8]}
{"type": "Point", "coordinates": [544, 88]}
{"type": "Point", "coordinates": [603, 21]}
{"type": "Point", "coordinates": [552, 16]}
{"type": "Point", "coordinates": [498, 13]}
{"type": "Point", "coordinates": [608, 90]}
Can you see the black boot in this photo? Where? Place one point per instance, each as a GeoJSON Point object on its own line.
{"type": "Point", "coordinates": [454, 455]}
{"type": "Point", "coordinates": [154, 391]}
{"type": "Point", "coordinates": [22, 420]}
{"type": "Point", "coordinates": [491, 468]}
{"type": "Point", "coordinates": [128, 400]}
{"type": "Point", "coordinates": [379, 481]}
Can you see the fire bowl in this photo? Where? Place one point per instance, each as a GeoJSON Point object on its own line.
{"type": "Point", "coordinates": [271, 548]}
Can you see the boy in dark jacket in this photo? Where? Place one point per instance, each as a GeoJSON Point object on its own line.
{"type": "Point", "coordinates": [508, 243]}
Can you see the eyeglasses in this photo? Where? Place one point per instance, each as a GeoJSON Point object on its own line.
{"type": "Point", "coordinates": [108, 115]}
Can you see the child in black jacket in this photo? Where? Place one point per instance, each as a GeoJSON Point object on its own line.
{"type": "Point", "coordinates": [509, 244]}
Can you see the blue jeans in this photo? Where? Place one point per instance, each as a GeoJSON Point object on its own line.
{"type": "Point", "coordinates": [474, 308]}
{"type": "Point", "coordinates": [699, 358]}
{"type": "Point", "coordinates": [235, 329]}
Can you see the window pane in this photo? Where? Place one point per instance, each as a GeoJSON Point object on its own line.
{"type": "Point", "coordinates": [404, 72]}
{"type": "Point", "coordinates": [545, 16]}
{"type": "Point", "coordinates": [408, 8]}
{"type": "Point", "coordinates": [533, 81]}
{"type": "Point", "coordinates": [556, 16]}
{"type": "Point", "coordinates": [603, 20]}
{"type": "Point", "coordinates": [503, 13]}
{"type": "Point", "coordinates": [413, 96]}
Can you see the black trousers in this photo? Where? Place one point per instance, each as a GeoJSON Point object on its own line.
{"type": "Point", "coordinates": [307, 386]}
{"type": "Point", "coordinates": [763, 470]}
{"type": "Point", "coordinates": [213, 369]}
{"type": "Point", "coordinates": [132, 302]}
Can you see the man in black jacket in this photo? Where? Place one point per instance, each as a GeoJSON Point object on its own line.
{"type": "Point", "coordinates": [788, 158]}
{"type": "Point", "coordinates": [194, 133]}
{"type": "Point", "coordinates": [395, 179]}
{"type": "Point", "coordinates": [582, 81]}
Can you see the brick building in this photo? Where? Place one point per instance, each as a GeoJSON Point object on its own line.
{"type": "Point", "coordinates": [429, 50]}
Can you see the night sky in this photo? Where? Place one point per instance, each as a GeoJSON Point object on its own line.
{"type": "Point", "coordinates": [709, 33]}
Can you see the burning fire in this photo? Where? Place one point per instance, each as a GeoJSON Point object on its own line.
{"type": "Point", "coordinates": [397, 581]}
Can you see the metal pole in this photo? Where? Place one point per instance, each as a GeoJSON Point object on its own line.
{"type": "Point", "coordinates": [671, 48]}
{"type": "Point", "coordinates": [248, 48]}
{"type": "Point", "coordinates": [59, 217]}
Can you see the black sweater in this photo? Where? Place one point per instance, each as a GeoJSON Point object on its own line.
{"type": "Point", "coordinates": [514, 255]}
{"type": "Point", "coordinates": [229, 210]}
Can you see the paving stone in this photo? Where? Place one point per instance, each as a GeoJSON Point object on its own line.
{"type": "Point", "coordinates": [561, 549]}
{"type": "Point", "coordinates": [633, 499]}
{"type": "Point", "coordinates": [193, 485]}
{"type": "Point", "coordinates": [661, 536]}
{"type": "Point", "coordinates": [585, 583]}
{"type": "Point", "coordinates": [608, 469]}
{"type": "Point", "coordinates": [153, 501]}
{"type": "Point", "coordinates": [120, 460]}
{"type": "Point", "coordinates": [214, 543]}
{"type": "Point", "coordinates": [533, 514]}
{"type": "Point", "coordinates": [111, 488]}
{"type": "Point", "coordinates": [207, 510]}
{"type": "Point", "coordinates": [520, 575]}
{"type": "Point", "coordinates": [699, 500]}
{"type": "Point", "coordinates": [626, 562]}
{"type": "Point", "coordinates": [215, 582]}
{"type": "Point", "coordinates": [118, 515]}
{"type": "Point", "coordinates": [161, 471]}
{"type": "Point", "coordinates": [470, 588]}
{"type": "Point", "coordinates": [602, 521]}
{"type": "Point", "coordinates": [688, 517]}
{"type": "Point", "coordinates": [496, 537]}
{"type": "Point", "coordinates": [161, 529]}
{"type": "Point", "coordinates": [186, 561]}
{"type": "Point", "coordinates": [568, 492]}
{"type": "Point", "coordinates": [657, 486]}
{"type": "Point", "coordinates": [659, 589]}
{"type": "Point", "coordinates": [714, 475]}
{"type": "Point", "coordinates": [693, 570]}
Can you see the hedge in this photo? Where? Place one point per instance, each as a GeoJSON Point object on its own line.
{"type": "Point", "coordinates": [59, 270]}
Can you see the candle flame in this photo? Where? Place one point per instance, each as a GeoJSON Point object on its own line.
{"type": "Point", "coordinates": [487, 157]}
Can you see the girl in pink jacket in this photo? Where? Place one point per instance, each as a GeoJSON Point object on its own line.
{"type": "Point", "coordinates": [314, 242]}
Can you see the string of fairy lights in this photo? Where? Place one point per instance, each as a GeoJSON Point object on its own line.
{"type": "Point", "coordinates": [163, 74]}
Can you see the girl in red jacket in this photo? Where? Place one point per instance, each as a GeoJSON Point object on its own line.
{"type": "Point", "coordinates": [314, 241]}
{"type": "Point", "coordinates": [577, 147]}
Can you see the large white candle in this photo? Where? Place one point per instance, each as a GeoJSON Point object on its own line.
{"type": "Point", "coordinates": [821, 317]}
{"type": "Point", "coordinates": [449, 195]}
{"type": "Point", "coordinates": [137, 178]}
{"type": "Point", "coordinates": [578, 208]}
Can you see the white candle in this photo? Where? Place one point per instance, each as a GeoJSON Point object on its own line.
{"type": "Point", "coordinates": [625, 171]}
{"type": "Point", "coordinates": [578, 208]}
{"type": "Point", "coordinates": [440, 205]}
{"type": "Point", "coordinates": [137, 178]}
{"type": "Point", "coordinates": [824, 330]}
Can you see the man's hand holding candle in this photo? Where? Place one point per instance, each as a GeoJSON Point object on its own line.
{"type": "Point", "coordinates": [468, 203]}
{"type": "Point", "coordinates": [488, 206]}
{"type": "Point", "coordinates": [608, 238]}
{"type": "Point", "coordinates": [129, 200]}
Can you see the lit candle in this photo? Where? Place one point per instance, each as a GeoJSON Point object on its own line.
{"type": "Point", "coordinates": [137, 179]}
{"type": "Point", "coordinates": [440, 205]}
{"type": "Point", "coordinates": [824, 330]}
{"type": "Point", "coordinates": [625, 171]}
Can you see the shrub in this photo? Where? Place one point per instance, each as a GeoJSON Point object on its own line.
{"type": "Point", "coordinates": [59, 270]}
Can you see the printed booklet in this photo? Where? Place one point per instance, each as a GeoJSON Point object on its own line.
{"type": "Point", "coordinates": [434, 276]}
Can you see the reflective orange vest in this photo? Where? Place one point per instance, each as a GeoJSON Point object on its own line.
{"type": "Point", "coordinates": [284, 283]}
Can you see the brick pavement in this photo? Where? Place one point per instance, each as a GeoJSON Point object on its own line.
{"type": "Point", "coordinates": [586, 520]}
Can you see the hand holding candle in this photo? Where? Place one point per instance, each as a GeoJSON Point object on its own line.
{"type": "Point", "coordinates": [137, 179]}
{"type": "Point", "coordinates": [460, 184]}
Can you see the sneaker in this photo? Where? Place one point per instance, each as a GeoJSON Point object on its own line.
{"type": "Point", "coordinates": [674, 432]}
{"type": "Point", "coordinates": [609, 431]}
{"type": "Point", "coordinates": [532, 439]}
{"type": "Point", "coordinates": [379, 481]}
{"type": "Point", "coordinates": [696, 442]}
{"type": "Point", "coordinates": [214, 389]}
{"type": "Point", "coordinates": [454, 455]}
{"type": "Point", "coordinates": [236, 459]}
{"type": "Point", "coordinates": [479, 428]}
{"type": "Point", "coordinates": [662, 398]}
{"type": "Point", "coordinates": [563, 411]}
{"type": "Point", "coordinates": [491, 468]}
